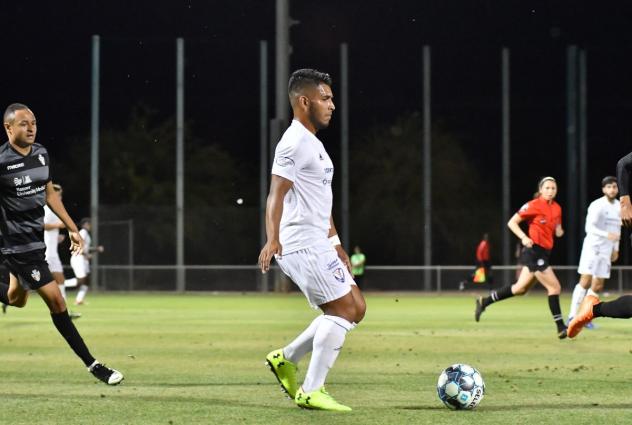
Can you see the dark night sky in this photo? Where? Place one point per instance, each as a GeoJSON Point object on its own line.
{"type": "Point", "coordinates": [46, 64]}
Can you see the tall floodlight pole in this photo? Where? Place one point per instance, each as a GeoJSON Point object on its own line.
{"type": "Point", "coordinates": [94, 155]}
{"type": "Point", "coordinates": [583, 142]}
{"type": "Point", "coordinates": [571, 152]}
{"type": "Point", "coordinates": [427, 171]}
{"type": "Point", "coordinates": [263, 149]}
{"type": "Point", "coordinates": [282, 60]}
{"type": "Point", "coordinates": [506, 155]}
{"type": "Point", "coordinates": [180, 272]}
{"type": "Point", "coordinates": [344, 142]}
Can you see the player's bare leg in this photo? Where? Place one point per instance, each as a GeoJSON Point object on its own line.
{"type": "Point", "coordinates": [60, 280]}
{"type": "Point", "coordinates": [549, 280]}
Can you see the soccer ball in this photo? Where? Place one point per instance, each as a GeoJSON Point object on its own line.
{"type": "Point", "coordinates": [460, 386]}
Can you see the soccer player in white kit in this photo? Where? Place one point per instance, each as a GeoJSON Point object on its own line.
{"type": "Point", "coordinates": [601, 244]}
{"type": "Point", "coordinates": [303, 239]}
{"type": "Point", "coordinates": [81, 263]}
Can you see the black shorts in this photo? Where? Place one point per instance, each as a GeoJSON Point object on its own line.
{"type": "Point", "coordinates": [30, 268]}
{"type": "Point", "coordinates": [535, 258]}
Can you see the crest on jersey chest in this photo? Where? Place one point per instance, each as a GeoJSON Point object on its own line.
{"type": "Point", "coordinates": [41, 159]}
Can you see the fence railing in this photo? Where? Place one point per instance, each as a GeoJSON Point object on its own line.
{"type": "Point", "coordinates": [380, 278]}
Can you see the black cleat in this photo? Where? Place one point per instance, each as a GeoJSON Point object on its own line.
{"type": "Point", "coordinates": [105, 374]}
{"type": "Point", "coordinates": [562, 334]}
{"type": "Point", "coordinates": [479, 309]}
{"type": "Point", "coordinates": [4, 308]}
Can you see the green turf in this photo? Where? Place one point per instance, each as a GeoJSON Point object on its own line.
{"type": "Point", "coordinates": [198, 359]}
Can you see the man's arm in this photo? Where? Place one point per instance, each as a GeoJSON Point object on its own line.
{"type": "Point", "coordinates": [514, 226]}
{"type": "Point", "coordinates": [57, 206]}
{"type": "Point", "coordinates": [279, 187]}
{"type": "Point", "coordinates": [623, 181]}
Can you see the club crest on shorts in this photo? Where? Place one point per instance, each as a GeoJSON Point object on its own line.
{"type": "Point", "coordinates": [35, 274]}
{"type": "Point", "coordinates": [540, 262]}
{"type": "Point", "coordinates": [339, 275]}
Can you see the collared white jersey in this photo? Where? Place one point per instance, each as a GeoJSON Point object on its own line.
{"type": "Point", "coordinates": [603, 217]}
{"type": "Point", "coordinates": [301, 158]}
{"type": "Point", "coordinates": [51, 237]}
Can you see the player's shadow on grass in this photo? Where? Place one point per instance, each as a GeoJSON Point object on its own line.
{"type": "Point", "coordinates": [513, 408]}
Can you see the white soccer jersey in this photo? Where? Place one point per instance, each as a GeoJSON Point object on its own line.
{"type": "Point", "coordinates": [51, 237]}
{"type": "Point", "coordinates": [603, 217]}
{"type": "Point", "coordinates": [301, 158]}
{"type": "Point", "coordinates": [87, 241]}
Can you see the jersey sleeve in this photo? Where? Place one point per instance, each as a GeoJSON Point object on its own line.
{"type": "Point", "coordinates": [48, 216]}
{"type": "Point", "coordinates": [528, 210]}
{"type": "Point", "coordinates": [288, 159]}
{"type": "Point", "coordinates": [592, 218]}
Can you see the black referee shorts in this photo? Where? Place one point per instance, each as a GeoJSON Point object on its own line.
{"type": "Point", "coordinates": [535, 258]}
{"type": "Point", "coordinates": [30, 268]}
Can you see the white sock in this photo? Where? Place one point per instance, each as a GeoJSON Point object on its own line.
{"type": "Point", "coordinates": [62, 289]}
{"type": "Point", "coordinates": [593, 293]}
{"type": "Point", "coordinates": [71, 283]}
{"type": "Point", "coordinates": [328, 341]}
{"type": "Point", "coordinates": [578, 296]}
{"type": "Point", "coordinates": [303, 343]}
{"type": "Point", "coordinates": [83, 290]}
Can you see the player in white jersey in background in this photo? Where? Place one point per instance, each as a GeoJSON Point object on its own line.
{"type": "Point", "coordinates": [601, 244]}
{"type": "Point", "coordinates": [81, 263]}
{"type": "Point", "coordinates": [303, 239]}
{"type": "Point", "coordinates": [52, 238]}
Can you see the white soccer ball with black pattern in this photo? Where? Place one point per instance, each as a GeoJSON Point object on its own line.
{"type": "Point", "coordinates": [460, 386]}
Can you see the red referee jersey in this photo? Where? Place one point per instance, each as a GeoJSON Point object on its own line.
{"type": "Point", "coordinates": [482, 251]}
{"type": "Point", "coordinates": [542, 217]}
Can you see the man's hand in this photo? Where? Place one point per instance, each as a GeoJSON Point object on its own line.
{"type": "Point", "coordinates": [76, 243]}
{"type": "Point", "coordinates": [615, 256]}
{"type": "Point", "coordinates": [526, 241]}
{"type": "Point", "coordinates": [342, 254]}
{"type": "Point", "coordinates": [614, 237]}
{"type": "Point", "coordinates": [626, 211]}
{"type": "Point", "coordinates": [267, 252]}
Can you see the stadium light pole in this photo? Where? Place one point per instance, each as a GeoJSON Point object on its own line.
{"type": "Point", "coordinates": [427, 172]}
{"type": "Point", "coordinates": [344, 142]}
{"type": "Point", "coordinates": [583, 164]}
{"type": "Point", "coordinates": [94, 154]}
{"type": "Point", "coordinates": [263, 148]}
{"type": "Point", "coordinates": [180, 272]}
{"type": "Point", "coordinates": [571, 152]}
{"type": "Point", "coordinates": [506, 155]}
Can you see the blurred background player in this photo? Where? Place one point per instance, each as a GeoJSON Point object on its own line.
{"type": "Point", "coordinates": [81, 263]}
{"type": "Point", "coordinates": [52, 238]}
{"type": "Point", "coordinates": [544, 217]}
{"type": "Point", "coordinates": [601, 244]}
{"type": "Point", "coordinates": [621, 308]}
{"type": "Point", "coordinates": [482, 271]}
{"type": "Point", "coordinates": [358, 260]}
{"type": "Point", "coordinates": [302, 237]}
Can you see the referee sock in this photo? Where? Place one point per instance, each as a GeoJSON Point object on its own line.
{"type": "Point", "coordinates": [303, 343]}
{"type": "Point", "coordinates": [556, 311]}
{"type": "Point", "coordinates": [499, 295]}
{"type": "Point", "coordinates": [621, 308]}
{"type": "Point", "coordinates": [4, 293]}
{"type": "Point", "coordinates": [68, 330]}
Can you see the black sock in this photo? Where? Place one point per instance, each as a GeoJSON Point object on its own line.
{"type": "Point", "coordinates": [68, 330]}
{"type": "Point", "coordinates": [621, 308]}
{"type": "Point", "coordinates": [4, 293]}
{"type": "Point", "coordinates": [499, 295]}
{"type": "Point", "coordinates": [556, 311]}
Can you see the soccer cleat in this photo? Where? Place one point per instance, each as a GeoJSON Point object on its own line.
{"type": "Point", "coordinates": [584, 315]}
{"type": "Point", "coordinates": [591, 326]}
{"type": "Point", "coordinates": [562, 334]}
{"type": "Point", "coordinates": [105, 374]}
{"type": "Point", "coordinates": [479, 309]}
{"type": "Point", "coordinates": [319, 400]}
{"type": "Point", "coordinates": [74, 315]}
{"type": "Point", "coordinates": [284, 371]}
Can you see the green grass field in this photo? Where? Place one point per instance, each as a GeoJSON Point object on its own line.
{"type": "Point", "coordinates": [198, 359]}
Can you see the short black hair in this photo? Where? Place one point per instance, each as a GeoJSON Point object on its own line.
{"type": "Point", "coordinates": [84, 221]}
{"type": "Point", "coordinates": [9, 113]}
{"type": "Point", "coordinates": [302, 78]}
{"type": "Point", "coordinates": [607, 180]}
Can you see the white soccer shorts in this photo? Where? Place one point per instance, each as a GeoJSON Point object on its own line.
{"type": "Point", "coordinates": [318, 272]}
{"type": "Point", "coordinates": [80, 266]}
{"type": "Point", "coordinates": [54, 264]}
{"type": "Point", "coordinates": [595, 264]}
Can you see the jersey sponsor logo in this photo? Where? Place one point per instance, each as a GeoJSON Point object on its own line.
{"type": "Point", "coordinates": [35, 274]}
{"type": "Point", "coordinates": [543, 221]}
{"type": "Point", "coordinates": [15, 166]}
{"type": "Point", "coordinates": [339, 275]}
{"type": "Point", "coordinates": [329, 170]}
{"type": "Point", "coordinates": [326, 182]}
{"type": "Point", "coordinates": [41, 159]}
{"type": "Point", "coordinates": [284, 161]}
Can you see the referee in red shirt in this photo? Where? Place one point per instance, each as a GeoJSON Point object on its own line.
{"type": "Point", "coordinates": [544, 217]}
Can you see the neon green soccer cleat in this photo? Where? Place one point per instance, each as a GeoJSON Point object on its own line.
{"type": "Point", "coordinates": [319, 400]}
{"type": "Point", "coordinates": [284, 370]}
